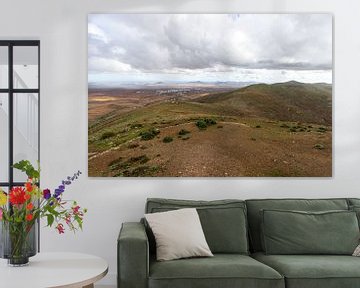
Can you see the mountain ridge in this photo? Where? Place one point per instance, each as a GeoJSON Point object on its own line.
{"type": "Point", "coordinates": [288, 101]}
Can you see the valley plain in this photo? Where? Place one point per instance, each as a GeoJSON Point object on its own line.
{"type": "Point", "coordinates": [211, 129]}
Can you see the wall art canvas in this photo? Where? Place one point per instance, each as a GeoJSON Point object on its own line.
{"type": "Point", "coordinates": [222, 95]}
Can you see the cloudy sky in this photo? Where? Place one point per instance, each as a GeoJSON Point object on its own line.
{"type": "Point", "coordinates": [125, 48]}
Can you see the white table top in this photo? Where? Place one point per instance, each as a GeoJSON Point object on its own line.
{"type": "Point", "coordinates": [45, 270]}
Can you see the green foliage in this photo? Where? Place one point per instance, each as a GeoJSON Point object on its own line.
{"type": "Point", "coordinates": [107, 134]}
{"type": "Point", "coordinates": [141, 171]}
{"type": "Point", "coordinates": [183, 132]}
{"type": "Point", "coordinates": [136, 126]}
{"type": "Point", "coordinates": [119, 164]}
{"type": "Point", "coordinates": [204, 123]}
{"type": "Point", "coordinates": [322, 129]}
{"type": "Point", "coordinates": [210, 121]}
{"type": "Point", "coordinates": [276, 173]}
{"type": "Point", "coordinates": [168, 139]}
{"type": "Point", "coordinates": [319, 146]}
{"type": "Point", "coordinates": [26, 167]}
{"type": "Point", "coordinates": [149, 134]}
{"type": "Point", "coordinates": [201, 124]}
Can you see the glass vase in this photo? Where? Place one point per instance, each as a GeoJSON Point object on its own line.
{"type": "Point", "coordinates": [18, 242]}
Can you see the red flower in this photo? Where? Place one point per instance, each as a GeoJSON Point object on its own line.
{"type": "Point", "coordinates": [27, 196]}
{"type": "Point", "coordinates": [60, 228]}
{"type": "Point", "coordinates": [17, 196]}
{"type": "Point", "coordinates": [29, 186]}
{"type": "Point", "coordinates": [75, 209]}
{"type": "Point", "coordinates": [29, 217]}
{"type": "Point", "coordinates": [29, 206]}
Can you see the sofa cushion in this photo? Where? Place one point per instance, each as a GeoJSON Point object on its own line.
{"type": "Point", "coordinates": [222, 270]}
{"type": "Point", "coordinates": [223, 221]}
{"type": "Point", "coordinates": [313, 271]}
{"type": "Point", "coordinates": [178, 234]}
{"type": "Point", "coordinates": [254, 207]}
{"type": "Point", "coordinates": [353, 201]}
{"type": "Point", "coordinates": [297, 232]}
{"type": "Point", "coordinates": [356, 209]}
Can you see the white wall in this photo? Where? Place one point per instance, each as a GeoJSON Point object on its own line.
{"type": "Point", "coordinates": [62, 28]}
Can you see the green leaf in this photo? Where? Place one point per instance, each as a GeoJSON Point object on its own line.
{"type": "Point", "coordinates": [50, 219]}
{"type": "Point", "coordinates": [26, 167]}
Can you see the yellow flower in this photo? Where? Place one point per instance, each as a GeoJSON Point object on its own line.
{"type": "Point", "coordinates": [3, 198]}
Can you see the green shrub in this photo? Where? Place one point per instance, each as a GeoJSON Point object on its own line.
{"type": "Point", "coordinates": [136, 125]}
{"type": "Point", "coordinates": [183, 132]}
{"type": "Point", "coordinates": [322, 129]}
{"type": "Point", "coordinates": [204, 123]}
{"type": "Point", "coordinates": [201, 124]}
{"type": "Point", "coordinates": [319, 146]}
{"type": "Point", "coordinates": [115, 162]}
{"type": "Point", "coordinates": [141, 171]}
{"type": "Point", "coordinates": [107, 135]}
{"type": "Point", "coordinates": [167, 139]}
{"type": "Point", "coordinates": [210, 121]}
{"type": "Point", "coordinates": [150, 134]}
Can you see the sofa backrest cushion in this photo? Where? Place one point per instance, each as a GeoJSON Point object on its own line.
{"type": "Point", "coordinates": [223, 221]}
{"type": "Point", "coordinates": [354, 205]}
{"type": "Point", "coordinates": [298, 232]}
{"type": "Point", "coordinates": [353, 202]}
{"type": "Point", "coordinates": [256, 205]}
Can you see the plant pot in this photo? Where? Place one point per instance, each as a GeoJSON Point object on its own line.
{"type": "Point", "coordinates": [18, 242]}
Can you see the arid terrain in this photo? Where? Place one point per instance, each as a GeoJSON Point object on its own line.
{"type": "Point", "coordinates": [199, 130]}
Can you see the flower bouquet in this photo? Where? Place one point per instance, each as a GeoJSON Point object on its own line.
{"type": "Point", "coordinates": [21, 208]}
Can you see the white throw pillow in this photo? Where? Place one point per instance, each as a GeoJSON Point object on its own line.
{"type": "Point", "coordinates": [357, 251]}
{"type": "Point", "coordinates": [178, 234]}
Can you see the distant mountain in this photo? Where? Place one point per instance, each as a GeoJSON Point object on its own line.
{"type": "Point", "coordinates": [289, 101]}
{"type": "Point", "coordinates": [161, 84]}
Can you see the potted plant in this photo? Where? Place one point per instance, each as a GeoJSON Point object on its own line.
{"type": "Point", "coordinates": [21, 208]}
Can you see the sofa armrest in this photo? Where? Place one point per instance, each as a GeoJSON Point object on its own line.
{"type": "Point", "coordinates": [133, 256]}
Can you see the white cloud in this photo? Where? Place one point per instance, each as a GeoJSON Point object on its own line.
{"type": "Point", "coordinates": [211, 43]}
{"type": "Point", "coordinates": [96, 33]}
{"type": "Point", "coordinates": [108, 65]}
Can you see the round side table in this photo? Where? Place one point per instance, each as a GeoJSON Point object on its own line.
{"type": "Point", "coordinates": [50, 270]}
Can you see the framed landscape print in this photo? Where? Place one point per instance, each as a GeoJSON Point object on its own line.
{"type": "Point", "coordinates": [222, 95]}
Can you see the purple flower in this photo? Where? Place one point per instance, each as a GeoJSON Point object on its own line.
{"type": "Point", "coordinates": [46, 194]}
{"type": "Point", "coordinates": [64, 183]}
{"type": "Point", "coordinates": [58, 192]}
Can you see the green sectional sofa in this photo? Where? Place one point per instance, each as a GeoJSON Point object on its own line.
{"type": "Point", "coordinates": [238, 234]}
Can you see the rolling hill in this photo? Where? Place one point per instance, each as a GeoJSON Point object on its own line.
{"type": "Point", "coordinates": [279, 129]}
{"type": "Point", "coordinates": [290, 101]}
